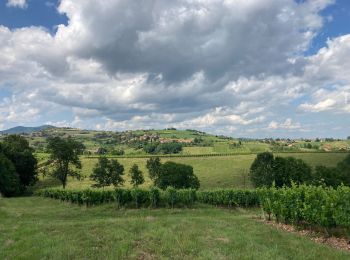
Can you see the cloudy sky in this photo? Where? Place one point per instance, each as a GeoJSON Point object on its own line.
{"type": "Point", "coordinates": [243, 68]}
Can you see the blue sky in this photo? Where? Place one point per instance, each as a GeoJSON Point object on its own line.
{"type": "Point", "coordinates": [201, 64]}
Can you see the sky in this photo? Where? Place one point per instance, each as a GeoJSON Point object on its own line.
{"type": "Point", "coordinates": [243, 68]}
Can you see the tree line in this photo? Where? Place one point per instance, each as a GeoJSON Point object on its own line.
{"type": "Point", "coordinates": [268, 170]}
{"type": "Point", "coordinates": [64, 158]}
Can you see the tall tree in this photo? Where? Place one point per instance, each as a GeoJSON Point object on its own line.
{"type": "Point", "coordinates": [64, 154]}
{"type": "Point", "coordinates": [136, 176]}
{"type": "Point", "coordinates": [9, 179]}
{"type": "Point", "coordinates": [16, 148]}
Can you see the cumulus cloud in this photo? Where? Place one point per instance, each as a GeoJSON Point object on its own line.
{"type": "Point", "coordinates": [223, 65]}
{"type": "Point", "coordinates": [17, 3]}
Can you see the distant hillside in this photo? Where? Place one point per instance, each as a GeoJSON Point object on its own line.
{"type": "Point", "coordinates": [26, 130]}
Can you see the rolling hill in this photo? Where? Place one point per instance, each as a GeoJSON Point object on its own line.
{"type": "Point", "coordinates": [26, 130]}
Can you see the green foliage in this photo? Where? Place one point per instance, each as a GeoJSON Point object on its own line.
{"type": "Point", "coordinates": [64, 153]}
{"type": "Point", "coordinates": [139, 197]}
{"type": "Point", "coordinates": [116, 173]}
{"type": "Point", "coordinates": [153, 165]}
{"type": "Point", "coordinates": [154, 197]}
{"type": "Point", "coordinates": [9, 179]}
{"type": "Point", "coordinates": [16, 148]}
{"type": "Point", "coordinates": [316, 206]}
{"type": "Point", "coordinates": [165, 148]}
{"type": "Point", "coordinates": [267, 170]}
{"type": "Point", "coordinates": [122, 197]}
{"type": "Point", "coordinates": [179, 176]}
{"type": "Point", "coordinates": [344, 168]}
{"type": "Point", "coordinates": [117, 152]}
{"type": "Point", "coordinates": [100, 173]}
{"type": "Point", "coordinates": [171, 196]}
{"type": "Point", "coordinates": [107, 172]}
{"type": "Point", "coordinates": [136, 176]}
{"type": "Point", "coordinates": [327, 176]}
{"type": "Point", "coordinates": [261, 170]}
{"type": "Point", "coordinates": [333, 176]}
{"type": "Point", "coordinates": [229, 198]}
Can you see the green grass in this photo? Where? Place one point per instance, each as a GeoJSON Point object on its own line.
{"type": "Point", "coordinates": [213, 172]}
{"type": "Point", "coordinates": [37, 228]}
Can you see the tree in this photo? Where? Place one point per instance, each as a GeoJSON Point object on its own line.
{"type": "Point", "coordinates": [64, 154]}
{"type": "Point", "coordinates": [267, 170]}
{"type": "Point", "coordinates": [261, 170]}
{"type": "Point", "coordinates": [179, 176]}
{"type": "Point", "coordinates": [100, 173]}
{"type": "Point", "coordinates": [136, 176]}
{"type": "Point", "coordinates": [344, 168]}
{"type": "Point", "coordinates": [16, 148]}
{"type": "Point", "coordinates": [153, 165]}
{"type": "Point", "coordinates": [9, 179]}
{"type": "Point", "coordinates": [116, 171]}
{"type": "Point", "coordinates": [107, 172]}
{"type": "Point", "coordinates": [328, 176]}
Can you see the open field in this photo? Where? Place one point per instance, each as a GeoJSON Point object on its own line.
{"type": "Point", "coordinates": [36, 228]}
{"type": "Point", "coordinates": [213, 172]}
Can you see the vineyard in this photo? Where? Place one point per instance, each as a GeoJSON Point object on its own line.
{"type": "Point", "coordinates": [309, 205]}
{"type": "Point", "coordinates": [154, 197]}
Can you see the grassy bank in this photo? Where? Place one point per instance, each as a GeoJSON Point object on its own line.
{"type": "Point", "coordinates": [36, 228]}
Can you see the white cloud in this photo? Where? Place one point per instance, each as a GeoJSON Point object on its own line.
{"type": "Point", "coordinates": [183, 63]}
{"type": "Point", "coordinates": [288, 124]}
{"type": "Point", "coordinates": [17, 3]}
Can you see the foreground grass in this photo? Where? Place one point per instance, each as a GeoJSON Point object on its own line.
{"type": "Point", "coordinates": [37, 228]}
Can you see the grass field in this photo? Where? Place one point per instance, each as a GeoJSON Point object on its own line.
{"type": "Point", "coordinates": [37, 228]}
{"type": "Point", "coordinates": [213, 172]}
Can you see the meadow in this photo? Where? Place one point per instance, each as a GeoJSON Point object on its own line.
{"type": "Point", "coordinates": [37, 228]}
{"type": "Point", "coordinates": [213, 172]}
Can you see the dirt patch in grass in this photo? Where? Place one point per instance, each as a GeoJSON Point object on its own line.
{"type": "Point", "coordinates": [9, 242]}
{"type": "Point", "coordinates": [336, 242]}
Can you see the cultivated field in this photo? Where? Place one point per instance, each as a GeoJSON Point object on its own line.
{"type": "Point", "coordinates": [37, 228]}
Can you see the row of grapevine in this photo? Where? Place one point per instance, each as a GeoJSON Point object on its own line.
{"type": "Point", "coordinates": [316, 206]}
{"type": "Point", "coordinates": [230, 198]}
{"type": "Point", "coordinates": [155, 198]}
